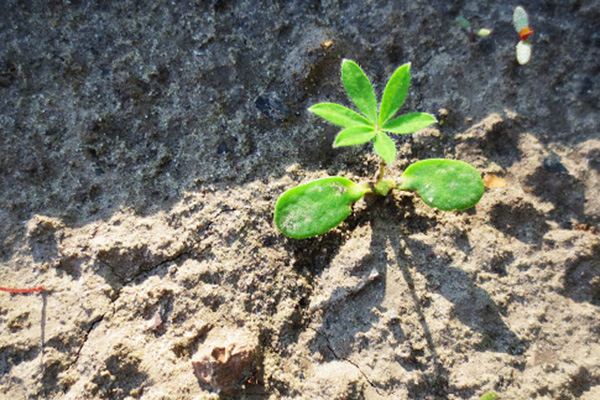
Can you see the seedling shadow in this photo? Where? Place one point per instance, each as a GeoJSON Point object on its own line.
{"type": "Point", "coordinates": [350, 323]}
{"type": "Point", "coordinates": [311, 255]}
{"type": "Point", "coordinates": [472, 305]}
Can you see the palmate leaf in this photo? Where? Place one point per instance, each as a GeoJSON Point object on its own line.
{"type": "Point", "coordinates": [385, 147]}
{"type": "Point", "coordinates": [339, 115]}
{"type": "Point", "coordinates": [316, 207]}
{"type": "Point", "coordinates": [360, 129]}
{"type": "Point", "coordinates": [409, 123]}
{"type": "Point", "coordinates": [354, 135]}
{"type": "Point", "coordinates": [444, 184]}
{"type": "Point", "coordinates": [359, 89]}
{"type": "Point", "coordinates": [395, 93]}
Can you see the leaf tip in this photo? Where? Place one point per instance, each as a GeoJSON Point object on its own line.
{"type": "Point", "coordinates": [407, 66]}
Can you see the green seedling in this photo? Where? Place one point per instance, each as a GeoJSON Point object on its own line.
{"type": "Point", "coordinates": [491, 395]}
{"type": "Point", "coordinates": [466, 25]}
{"type": "Point", "coordinates": [521, 23]}
{"type": "Point", "coordinates": [316, 207]}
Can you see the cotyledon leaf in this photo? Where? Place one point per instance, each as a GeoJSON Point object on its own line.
{"type": "Point", "coordinates": [463, 22]}
{"type": "Point", "coordinates": [444, 184]}
{"type": "Point", "coordinates": [316, 207]}
{"type": "Point", "coordinates": [491, 395]}
{"type": "Point", "coordinates": [520, 19]}
{"type": "Point", "coordinates": [523, 52]}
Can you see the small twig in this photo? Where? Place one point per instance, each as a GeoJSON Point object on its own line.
{"type": "Point", "coordinates": [28, 290]}
{"type": "Point", "coordinates": [43, 327]}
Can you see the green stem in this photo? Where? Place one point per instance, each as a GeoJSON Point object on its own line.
{"type": "Point", "coordinates": [381, 186]}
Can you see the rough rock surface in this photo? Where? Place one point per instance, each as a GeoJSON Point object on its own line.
{"type": "Point", "coordinates": [227, 361]}
{"type": "Point", "coordinates": [144, 144]}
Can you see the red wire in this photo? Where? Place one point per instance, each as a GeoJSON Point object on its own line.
{"type": "Point", "coordinates": [35, 289]}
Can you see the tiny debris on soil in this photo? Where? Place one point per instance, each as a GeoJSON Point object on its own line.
{"type": "Point", "coordinates": [227, 360]}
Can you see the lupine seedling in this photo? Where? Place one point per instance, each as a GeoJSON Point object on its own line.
{"type": "Point", "coordinates": [316, 207]}
{"type": "Point", "coordinates": [521, 23]}
{"type": "Point", "coordinates": [466, 25]}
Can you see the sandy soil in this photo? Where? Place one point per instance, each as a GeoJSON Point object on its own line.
{"type": "Point", "coordinates": [144, 146]}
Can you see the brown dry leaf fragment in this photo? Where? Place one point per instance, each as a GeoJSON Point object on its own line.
{"type": "Point", "coordinates": [492, 181]}
{"type": "Point", "coordinates": [325, 44]}
{"type": "Point", "coordinates": [586, 228]}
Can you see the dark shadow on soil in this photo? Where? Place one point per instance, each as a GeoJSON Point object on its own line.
{"type": "Point", "coordinates": [581, 280]}
{"type": "Point", "coordinates": [121, 376]}
{"type": "Point", "coordinates": [520, 220]}
{"type": "Point", "coordinates": [13, 355]}
{"type": "Point", "coordinates": [552, 182]}
{"type": "Point", "coordinates": [312, 255]}
{"type": "Point", "coordinates": [345, 320]}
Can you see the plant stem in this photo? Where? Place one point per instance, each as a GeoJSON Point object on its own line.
{"type": "Point", "coordinates": [380, 173]}
{"type": "Point", "coordinates": [381, 187]}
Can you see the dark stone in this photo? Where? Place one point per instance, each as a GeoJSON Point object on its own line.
{"type": "Point", "coordinates": [223, 148]}
{"type": "Point", "coordinates": [227, 360]}
{"type": "Point", "coordinates": [272, 107]}
{"type": "Point", "coordinates": [552, 164]}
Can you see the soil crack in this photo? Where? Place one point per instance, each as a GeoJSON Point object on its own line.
{"type": "Point", "coordinates": [338, 357]}
{"type": "Point", "coordinates": [93, 325]}
{"type": "Point", "coordinates": [186, 250]}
